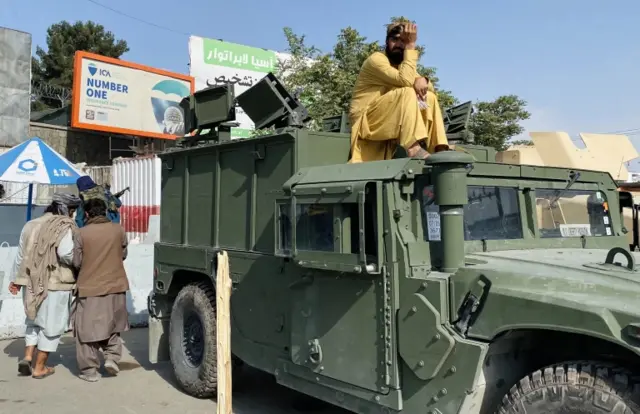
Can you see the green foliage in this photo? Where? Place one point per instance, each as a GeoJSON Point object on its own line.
{"type": "Point", "coordinates": [55, 65]}
{"type": "Point", "coordinates": [525, 142]}
{"type": "Point", "coordinates": [494, 123]}
{"type": "Point", "coordinates": [261, 132]}
{"type": "Point", "coordinates": [326, 80]}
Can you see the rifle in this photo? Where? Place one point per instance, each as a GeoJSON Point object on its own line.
{"type": "Point", "coordinates": [120, 193]}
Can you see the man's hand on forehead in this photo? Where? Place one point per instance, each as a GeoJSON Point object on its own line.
{"type": "Point", "coordinates": [409, 33]}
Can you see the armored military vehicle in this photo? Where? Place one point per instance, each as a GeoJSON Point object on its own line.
{"type": "Point", "coordinates": [448, 285]}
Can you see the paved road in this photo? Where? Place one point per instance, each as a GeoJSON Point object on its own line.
{"type": "Point", "coordinates": [140, 387]}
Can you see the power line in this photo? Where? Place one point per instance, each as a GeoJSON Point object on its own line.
{"type": "Point", "coordinates": [627, 131]}
{"type": "Point", "coordinates": [138, 19]}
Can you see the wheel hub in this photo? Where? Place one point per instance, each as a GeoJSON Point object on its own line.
{"type": "Point", "coordinates": [193, 339]}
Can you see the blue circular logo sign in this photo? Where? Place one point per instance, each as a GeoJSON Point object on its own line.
{"type": "Point", "coordinates": [27, 165]}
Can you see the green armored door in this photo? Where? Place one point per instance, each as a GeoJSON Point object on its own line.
{"type": "Point", "coordinates": [340, 299]}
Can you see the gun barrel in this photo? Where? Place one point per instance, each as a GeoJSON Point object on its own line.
{"type": "Point", "coordinates": [120, 193]}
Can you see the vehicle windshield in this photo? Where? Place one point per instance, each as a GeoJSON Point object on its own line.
{"type": "Point", "coordinates": [493, 213]}
{"type": "Point", "coordinates": [572, 213]}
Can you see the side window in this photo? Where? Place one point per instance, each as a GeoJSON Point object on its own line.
{"type": "Point", "coordinates": [314, 228]}
{"type": "Point", "coordinates": [337, 229]}
{"type": "Point", "coordinates": [492, 213]}
{"type": "Point", "coordinates": [284, 240]}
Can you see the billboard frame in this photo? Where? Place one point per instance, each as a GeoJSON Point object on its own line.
{"type": "Point", "coordinates": [75, 93]}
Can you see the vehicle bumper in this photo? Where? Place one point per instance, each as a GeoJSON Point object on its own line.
{"type": "Point", "coordinates": [158, 328]}
{"type": "Point", "coordinates": [151, 305]}
{"type": "Point", "coordinates": [158, 306]}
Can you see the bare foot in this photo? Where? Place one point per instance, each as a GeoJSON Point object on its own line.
{"type": "Point", "coordinates": [417, 152]}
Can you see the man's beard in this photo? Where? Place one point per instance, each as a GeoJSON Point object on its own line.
{"type": "Point", "coordinates": [396, 56]}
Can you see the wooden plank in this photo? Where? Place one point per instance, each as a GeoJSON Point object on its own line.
{"type": "Point", "coordinates": [223, 333]}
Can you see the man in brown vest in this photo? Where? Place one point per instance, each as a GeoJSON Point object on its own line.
{"type": "Point", "coordinates": [43, 272]}
{"type": "Point", "coordinates": [101, 311]}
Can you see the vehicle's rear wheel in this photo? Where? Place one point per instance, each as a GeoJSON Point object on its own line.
{"type": "Point", "coordinates": [584, 387]}
{"type": "Point", "coordinates": [192, 340]}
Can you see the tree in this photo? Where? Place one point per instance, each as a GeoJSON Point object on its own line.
{"type": "Point", "coordinates": [55, 65]}
{"type": "Point", "coordinates": [494, 123]}
{"type": "Point", "coordinates": [325, 82]}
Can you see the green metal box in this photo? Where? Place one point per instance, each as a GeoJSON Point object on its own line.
{"type": "Point", "coordinates": [223, 194]}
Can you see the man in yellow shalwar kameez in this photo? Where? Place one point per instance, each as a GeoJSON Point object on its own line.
{"type": "Point", "coordinates": [385, 107]}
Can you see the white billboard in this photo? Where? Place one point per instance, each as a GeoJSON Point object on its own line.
{"type": "Point", "coordinates": [214, 62]}
{"type": "Point", "coordinates": [112, 95]}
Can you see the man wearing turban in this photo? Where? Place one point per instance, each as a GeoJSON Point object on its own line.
{"type": "Point", "coordinates": [43, 272]}
{"type": "Point", "coordinates": [392, 105]}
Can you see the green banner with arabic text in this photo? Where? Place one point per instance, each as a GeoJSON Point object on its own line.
{"type": "Point", "coordinates": [237, 56]}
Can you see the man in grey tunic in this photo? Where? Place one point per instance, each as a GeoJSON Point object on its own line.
{"type": "Point", "coordinates": [43, 272]}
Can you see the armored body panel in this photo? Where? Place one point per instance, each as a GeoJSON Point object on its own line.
{"type": "Point", "coordinates": [454, 285]}
{"type": "Point", "coordinates": [223, 194]}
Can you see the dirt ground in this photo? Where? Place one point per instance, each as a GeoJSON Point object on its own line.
{"type": "Point", "coordinates": [140, 387]}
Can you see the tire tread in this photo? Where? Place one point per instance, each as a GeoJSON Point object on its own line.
{"type": "Point", "coordinates": [205, 386]}
{"type": "Point", "coordinates": [589, 381]}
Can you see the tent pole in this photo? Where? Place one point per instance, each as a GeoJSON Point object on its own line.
{"type": "Point", "coordinates": [29, 201]}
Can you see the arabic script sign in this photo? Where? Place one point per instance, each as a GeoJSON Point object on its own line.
{"type": "Point", "coordinates": [236, 56]}
{"type": "Point", "coordinates": [247, 81]}
{"type": "Point", "coordinates": [214, 62]}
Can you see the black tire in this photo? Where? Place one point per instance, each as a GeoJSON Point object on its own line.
{"type": "Point", "coordinates": [194, 364]}
{"type": "Point", "coordinates": [574, 387]}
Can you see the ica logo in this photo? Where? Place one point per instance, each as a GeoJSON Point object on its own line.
{"type": "Point", "coordinates": [93, 69]}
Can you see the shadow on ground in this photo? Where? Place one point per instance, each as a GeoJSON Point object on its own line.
{"type": "Point", "coordinates": [65, 356]}
{"type": "Point", "coordinates": [254, 391]}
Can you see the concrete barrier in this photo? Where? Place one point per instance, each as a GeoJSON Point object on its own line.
{"type": "Point", "coordinates": [139, 267]}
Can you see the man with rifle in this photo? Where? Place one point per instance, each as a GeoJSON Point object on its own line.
{"type": "Point", "coordinates": [88, 190]}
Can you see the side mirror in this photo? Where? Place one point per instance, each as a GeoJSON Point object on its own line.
{"type": "Point", "coordinates": [626, 199]}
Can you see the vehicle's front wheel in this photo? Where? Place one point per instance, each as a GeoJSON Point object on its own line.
{"type": "Point", "coordinates": [192, 340]}
{"type": "Point", "coordinates": [574, 387]}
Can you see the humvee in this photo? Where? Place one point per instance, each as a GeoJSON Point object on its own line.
{"type": "Point", "coordinates": [448, 285]}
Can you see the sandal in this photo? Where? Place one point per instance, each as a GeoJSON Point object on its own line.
{"type": "Point", "coordinates": [24, 367]}
{"type": "Point", "coordinates": [50, 371]}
